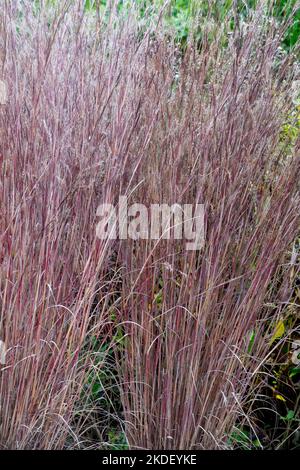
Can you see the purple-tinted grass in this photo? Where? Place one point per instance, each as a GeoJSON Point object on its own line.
{"type": "Point", "coordinates": [97, 109]}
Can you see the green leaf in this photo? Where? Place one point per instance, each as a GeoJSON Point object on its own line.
{"type": "Point", "coordinates": [290, 415]}
{"type": "Point", "coordinates": [251, 341]}
{"type": "Point", "coordinates": [293, 372]}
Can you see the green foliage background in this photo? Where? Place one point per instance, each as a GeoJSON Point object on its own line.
{"type": "Point", "coordinates": [180, 13]}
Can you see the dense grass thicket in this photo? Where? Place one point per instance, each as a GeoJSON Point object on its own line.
{"type": "Point", "coordinates": [141, 343]}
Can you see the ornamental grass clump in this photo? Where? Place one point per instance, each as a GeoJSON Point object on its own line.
{"type": "Point", "coordinates": [105, 103]}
